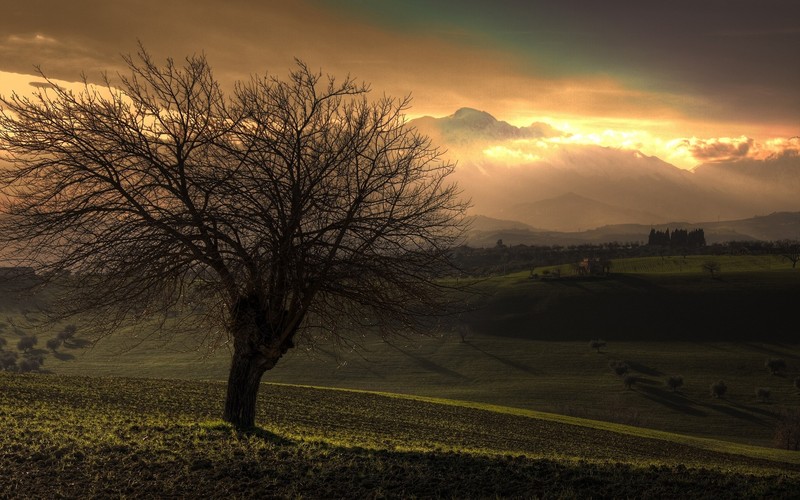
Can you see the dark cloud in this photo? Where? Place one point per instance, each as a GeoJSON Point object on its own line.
{"type": "Point", "coordinates": [707, 150]}
{"type": "Point", "coordinates": [737, 58]}
{"type": "Point", "coordinates": [42, 85]}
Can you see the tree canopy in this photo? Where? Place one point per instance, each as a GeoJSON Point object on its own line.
{"type": "Point", "coordinates": [283, 207]}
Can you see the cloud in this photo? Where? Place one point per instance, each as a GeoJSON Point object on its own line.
{"type": "Point", "coordinates": [733, 149]}
{"type": "Point", "coordinates": [717, 149]}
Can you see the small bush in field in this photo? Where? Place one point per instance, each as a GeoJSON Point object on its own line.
{"type": "Point", "coordinates": [718, 389]}
{"type": "Point", "coordinates": [675, 382]}
{"type": "Point", "coordinates": [619, 367]}
{"type": "Point", "coordinates": [8, 360]}
{"type": "Point", "coordinates": [776, 366]}
{"type": "Point", "coordinates": [763, 393]}
{"type": "Point", "coordinates": [3, 342]}
{"type": "Point", "coordinates": [787, 431]}
{"type": "Point", "coordinates": [597, 344]}
{"type": "Point", "coordinates": [629, 381]}
{"type": "Point", "coordinates": [67, 333]}
{"type": "Point", "coordinates": [54, 344]}
{"type": "Point", "coordinates": [30, 364]}
{"type": "Point", "coordinates": [26, 343]}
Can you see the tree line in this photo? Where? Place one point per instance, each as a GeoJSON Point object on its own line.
{"type": "Point", "coordinates": [679, 238]}
{"type": "Point", "coordinates": [503, 259]}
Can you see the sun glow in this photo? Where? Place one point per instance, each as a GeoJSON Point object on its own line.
{"type": "Point", "coordinates": [641, 136]}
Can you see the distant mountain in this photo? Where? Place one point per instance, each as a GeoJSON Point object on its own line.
{"type": "Point", "coordinates": [776, 226]}
{"type": "Point", "coordinates": [483, 223]}
{"type": "Point", "coordinates": [467, 126]}
{"type": "Point", "coordinates": [572, 212]}
{"type": "Point", "coordinates": [569, 187]}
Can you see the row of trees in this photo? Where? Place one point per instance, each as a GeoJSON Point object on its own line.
{"type": "Point", "coordinates": [678, 238]}
{"type": "Point", "coordinates": [504, 259]}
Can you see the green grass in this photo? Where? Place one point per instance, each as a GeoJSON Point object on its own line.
{"type": "Point", "coordinates": [527, 347]}
{"type": "Point", "coordinates": [78, 436]}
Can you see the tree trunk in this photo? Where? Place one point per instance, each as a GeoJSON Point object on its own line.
{"type": "Point", "coordinates": [257, 347]}
{"type": "Point", "coordinates": [243, 382]}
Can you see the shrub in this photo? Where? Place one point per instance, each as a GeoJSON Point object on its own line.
{"type": "Point", "coordinates": [629, 381]}
{"type": "Point", "coordinates": [3, 342]}
{"type": "Point", "coordinates": [718, 389]}
{"type": "Point", "coordinates": [619, 367]}
{"type": "Point", "coordinates": [54, 344]}
{"type": "Point", "coordinates": [30, 364]}
{"type": "Point", "coordinates": [674, 382]}
{"type": "Point", "coordinates": [776, 366]}
{"type": "Point", "coordinates": [712, 267]}
{"type": "Point", "coordinates": [763, 393]}
{"type": "Point", "coordinates": [8, 360]}
{"type": "Point", "coordinates": [597, 344]}
{"type": "Point", "coordinates": [787, 431]}
{"type": "Point", "coordinates": [26, 343]}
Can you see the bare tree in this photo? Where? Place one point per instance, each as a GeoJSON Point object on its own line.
{"type": "Point", "coordinates": [789, 250]}
{"type": "Point", "coordinates": [287, 209]}
{"type": "Point", "coordinates": [712, 267]}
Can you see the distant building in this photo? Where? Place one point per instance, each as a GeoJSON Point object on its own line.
{"type": "Point", "coordinates": [593, 266]}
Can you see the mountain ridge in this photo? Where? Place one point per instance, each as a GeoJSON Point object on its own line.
{"type": "Point", "coordinates": [510, 172]}
{"type": "Point", "coordinates": [771, 227]}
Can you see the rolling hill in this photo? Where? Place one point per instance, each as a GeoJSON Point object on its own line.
{"type": "Point", "coordinates": [526, 345]}
{"type": "Point", "coordinates": [772, 227]}
{"type": "Point", "coordinates": [103, 437]}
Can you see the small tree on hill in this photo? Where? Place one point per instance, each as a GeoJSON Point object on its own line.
{"type": "Point", "coordinates": [776, 366]}
{"type": "Point", "coordinates": [674, 382]}
{"type": "Point", "coordinates": [54, 344]}
{"type": "Point", "coordinates": [620, 367]}
{"type": "Point", "coordinates": [27, 343]}
{"type": "Point", "coordinates": [597, 344]}
{"type": "Point", "coordinates": [790, 250]}
{"type": "Point", "coordinates": [763, 393]}
{"type": "Point", "coordinates": [787, 431]}
{"type": "Point", "coordinates": [8, 360]}
{"type": "Point", "coordinates": [712, 267]}
{"type": "Point", "coordinates": [718, 389]}
{"type": "Point", "coordinates": [31, 364]}
{"type": "Point", "coordinates": [629, 381]}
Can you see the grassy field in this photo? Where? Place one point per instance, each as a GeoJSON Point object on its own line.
{"type": "Point", "coordinates": [526, 346]}
{"type": "Point", "coordinates": [90, 437]}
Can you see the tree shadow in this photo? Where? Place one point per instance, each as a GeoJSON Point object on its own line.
{"type": "Point", "coordinates": [430, 365]}
{"type": "Point", "coordinates": [567, 282]}
{"type": "Point", "coordinates": [265, 435]}
{"type": "Point", "coordinates": [63, 356]}
{"type": "Point", "coordinates": [771, 351]}
{"type": "Point", "coordinates": [672, 400]}
{"type": "Point", "coordinates": [734, 412]}
{"type": "Point", "coordinates": [755, 409]}
{"type": "Point", "coordinates": [637, 283]}
{"type": "Point", "coordinates": [509, 362]}
{"type": "Point", "coordinates": [646, 370]}
{"type": "Point", "coordinates": [647, 381]}
{"type": "Point", "coordinates": [77, 343]}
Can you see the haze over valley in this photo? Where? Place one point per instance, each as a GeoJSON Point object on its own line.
{"type": "Point", "coordinates": [535, 176]}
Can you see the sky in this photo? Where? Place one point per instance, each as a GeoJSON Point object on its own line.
{"type": "Point", "coordinates": [687, 81]}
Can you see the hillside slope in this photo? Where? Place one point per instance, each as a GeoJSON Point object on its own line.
{"type": "Point", "coordinates": [76, 436]}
